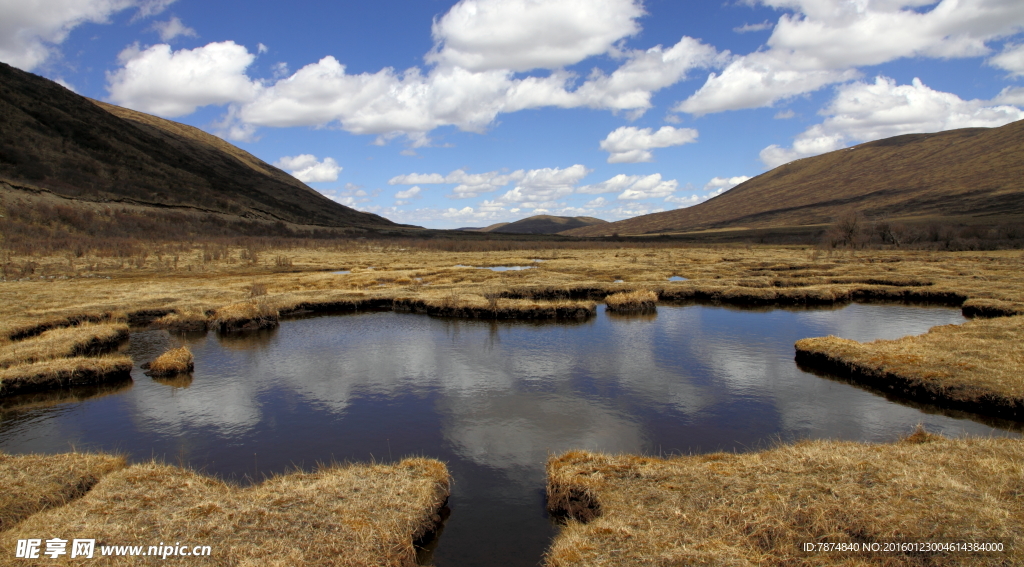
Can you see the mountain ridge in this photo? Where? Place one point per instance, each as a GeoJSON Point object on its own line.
{"type": "Point", "coordinates": [971, 172]}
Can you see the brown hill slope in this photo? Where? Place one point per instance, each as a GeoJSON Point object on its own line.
{"type": "Point", "coordinates": [543, 224]}
{"type": "Point", "coordinates": [56, 140]}
{"type": "Point", "coordinates": [973, 172]}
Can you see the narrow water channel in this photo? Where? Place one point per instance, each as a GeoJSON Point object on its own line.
{"type": "Point", "coordinates": [493, 400]}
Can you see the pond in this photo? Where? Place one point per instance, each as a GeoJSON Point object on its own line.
{"type": "Point", "coordinates": [493, 400]}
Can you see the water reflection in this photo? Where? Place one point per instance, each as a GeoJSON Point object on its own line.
{"type": "Point", "coordinates": [492, 399]}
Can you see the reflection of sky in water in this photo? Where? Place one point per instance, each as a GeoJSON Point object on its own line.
{"type": "Point", "coordinates": [491, 399]}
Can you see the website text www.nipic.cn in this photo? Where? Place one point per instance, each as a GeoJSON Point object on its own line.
{"type": "Point", "coordinates": [87, 549]}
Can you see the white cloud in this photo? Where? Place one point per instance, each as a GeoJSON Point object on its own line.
{"type": "Point", "coordinates": [1010, 59]}
{"type": "Point", "coordinates": [648, 187]}
{"type": "Point", "coordinates": [542, 187]}
{"type": "Point", "coordinates": [719, 185]}
{"type": "Point", "coordinates": [863, 112]}
{"type": "Point", "coordinates": [148, 8]}
{"type": "Point", "coordinates": [170, 84]}
{"type": "Point", "coordinates": [645, 71]}
{"type": "Point", "coordinates": [307, 169]}
{"type": "Point", "coordinates": [618, 183]}
{"type": "Point", "coordinates": [1010, 95]}
{"type": "Point", "coordinates": [408, 193]}
{"type": "Point", "coordinates": [520, 35]}
{"type": "Point", "coordinates": [746, 28]}
{"type": "Point", "coordinates": [784, 114]}
{"type": "Point", "coordinates": [173, 28]}
{"type": "Point", "coordinates": [596, 203]}
{"type": "Point", "coordinates": [824, 41]}
{"type": "Point", "coordinates": [629, 144]}
{"type": "Point", "coordinates": [30, 30]}
{"type": "Point", "coordinates": [416, 179]}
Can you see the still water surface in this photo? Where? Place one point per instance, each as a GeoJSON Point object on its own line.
{"type": "Point", "coordinates": [493, 400]}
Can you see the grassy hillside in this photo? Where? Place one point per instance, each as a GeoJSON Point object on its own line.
{"type": "Point", "coordinates": [973, 175]}
{"type": "Point", "coordinates": [55, 142]}
{"type": "Point", "coordinates": [543, 224]}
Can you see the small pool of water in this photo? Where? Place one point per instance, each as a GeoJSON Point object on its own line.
{"type": "Point", "coordinates": [492, 400]}
{"type": "Point", "coordinates": [677, 279]}
{"type": "Point", "coordinates": [341, 272]}
{"type": "Point", "coordinates": [498, 268]}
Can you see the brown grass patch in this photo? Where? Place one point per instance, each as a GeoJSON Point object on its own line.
{"type": "Point", "coordinates": [480, 307]}
{"type": "Point", "coordinates": [85, 339]}
{"type": "Point", "coordinates": [189, 319]}
{"type": "Point", "coordinates": [245, 316]}
{"type": "Point", "coordinates": [760, 508]}
{"type": "Point", "coordinates": [640, 301]}
{"type": "Point", "coordinates": [36, 482]}
{"type": "Point", "coordinates": [173, 362]}
{"type": "Point", "coordinates": [977, 366]}
{"type": "Point", "coordinates": [63, 373]}
{"type": "Point", "coordinates": [353, 515]}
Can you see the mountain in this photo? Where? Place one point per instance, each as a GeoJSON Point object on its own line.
{"type": "Point", "coordinates": [973, 175]}
{"type": "Point", "coordinates": [56, 143]}
{"type": "Point", "coordinates": [543, 224]}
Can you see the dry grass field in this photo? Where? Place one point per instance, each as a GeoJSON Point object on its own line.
{"type": "Point", "coordinates": [33, 483]}
{"type": "Point", "coordinates": [761, 508]}
{"type": "Point", "coordinates": [743, 509]}
{"type": "Point", "coordinates": [352, 515]}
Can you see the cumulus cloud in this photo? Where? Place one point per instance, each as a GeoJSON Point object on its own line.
{"type": "Point", "coordinates": [823, 42]}
{"type": "Point", "coordinates": [173, 28]}
{"type": "Point", "coordinates": [629, 144]}
{"type": "Point", "coordinates": [542, 187]}
{"type": "Point", "coordinates": [614, 185]}
{"type": "Point", "coordinates": [784, 114]}
{"type": "Point", "coordinates": [31, 30]}
{"type": "Point", "coordinates": [307, 169]}
{"type": "Point", "coordinates": [169, 84]}
{"type": "Point", "coordinates": [719, 185]}
{"type": "Point", "coordinates": [863, 112]}
{"type": "Point", "coordinates": [520, 35]}
{"type": "Point", "coordinates": [1010, 95]}
{"type": "Point", "coordinates": [408, 193]}
{"type": "Point", "coordinates": [647, 187]}
{"type": "Point", "coordinates": [1010, 59]}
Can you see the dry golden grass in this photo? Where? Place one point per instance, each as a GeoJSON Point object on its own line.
{"type": "Point", "coordinates": [173, 362]}
{"type": "Point", "coordinates": [245, 316]}
{"type": "Point", "coordinates": [632, 302]}
{"type": "Point", "coordinates": [978, 365]}
{"type": "Point", "coordinates": [353, 515]}
{"type": "Point", "coordinates": [760, 508]}
{"type": "Point", "coordinates": [63, 373]}
{"type": "Point", "coordinates": [88, 338]}
{"type": "Point", "coordinates": [32, 483]}
{"type": "Point", "coordinates": [189, 319]}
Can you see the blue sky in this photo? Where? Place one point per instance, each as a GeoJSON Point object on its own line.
{"type": "Point", "coordinates": [447, 114]}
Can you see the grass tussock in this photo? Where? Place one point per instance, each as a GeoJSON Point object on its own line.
{"type": "Point", "coordinates": [352, 515]}
{"type": "Point", "coordinates": [63, 373]}
{"type": "Point", "coordinates": [245, 316]}
{"type": "Point", "coordinates": [480, 307]}
{"type": "Point", "coordinates": [85, 339]}
{"type": "Point", "coordinates": [188, 319]}
{"type": "Point", "coordinates": [640, 301]}
{"type": "Point", "coordinates": [173, 362]}
{"type": "Point", "coordinates": [977, 366]}
{"type": "Point", "coordinates": [37, 482]}
{"type": "Point", "coordinates": [760, 508]}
